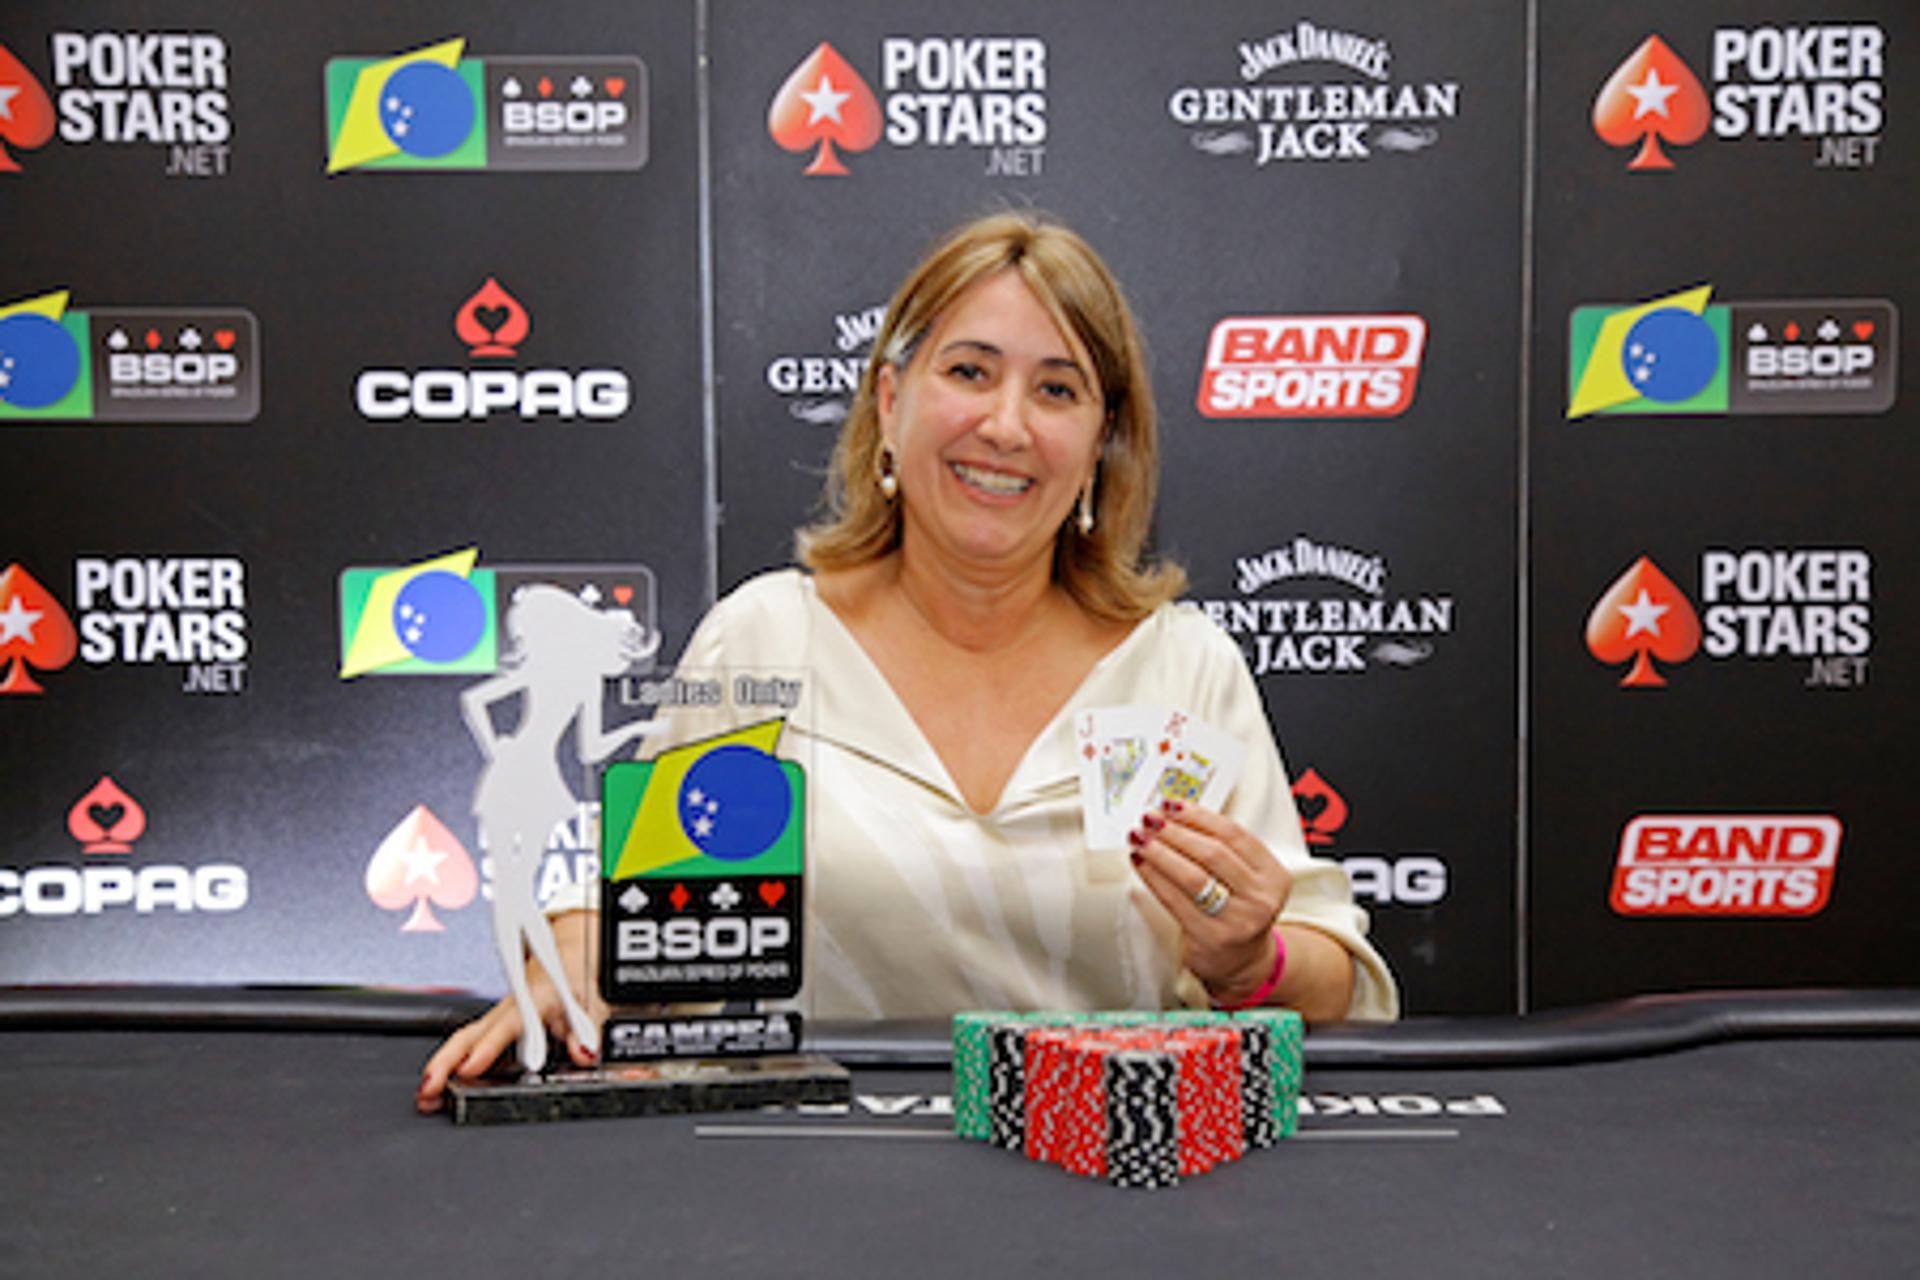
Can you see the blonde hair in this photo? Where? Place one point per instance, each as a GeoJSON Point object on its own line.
{"type": "Point", "coordinates": [1106, 571]}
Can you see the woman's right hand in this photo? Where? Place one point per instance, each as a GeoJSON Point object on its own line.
{"type": "Point", "coordinates": [470, 1051]}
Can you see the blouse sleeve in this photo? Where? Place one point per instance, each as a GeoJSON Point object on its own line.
{"type": "Point", "coordinates": [1262, 802]}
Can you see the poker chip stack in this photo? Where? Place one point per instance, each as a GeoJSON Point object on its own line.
{"type": "Point", "coordinates": [1139, 1099]}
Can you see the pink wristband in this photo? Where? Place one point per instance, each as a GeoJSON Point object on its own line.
{"type": "Point", "coordinates": [1273, 979]}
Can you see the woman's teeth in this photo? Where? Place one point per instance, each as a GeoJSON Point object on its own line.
{"type": "Point", "coordinates": [994, 482]}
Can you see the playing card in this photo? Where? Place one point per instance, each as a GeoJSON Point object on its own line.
{"type": "Point", "coordinates": [1188, 760]}
{"type": "Point", "coordinates": [1110, 746]}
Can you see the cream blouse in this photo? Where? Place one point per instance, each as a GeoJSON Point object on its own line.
{"type": "Point", "coordinates": [917, 905]}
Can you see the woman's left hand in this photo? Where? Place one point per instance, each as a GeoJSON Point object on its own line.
{"type": "Point", "coordinates": [1177, 850]}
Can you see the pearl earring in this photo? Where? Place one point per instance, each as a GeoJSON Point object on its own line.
{"type": "Point", "coordinates": [889, 483]}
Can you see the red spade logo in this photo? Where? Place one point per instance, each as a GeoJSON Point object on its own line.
{"type": "Point", "coordinates": [106, 819]}
{"type": "Point", "coordinates": [1651, 97]}
{"type": "Point", "coordinates": [492, 322]}
{"type": "Point", "coordinates": [26, 113]}
{"type": "Point", "coordinates": [771, 891]}
{"type": "Point", "coordinates": [1322, 809]}
{"type": "Point", "coordinates": [824, 103]}
{"type": "Point", "coordinates": [423, 865]}
{"type": "Point", "coordinates": [1643, 616]}
{"type": "Point", "coordinates": [34, 631]}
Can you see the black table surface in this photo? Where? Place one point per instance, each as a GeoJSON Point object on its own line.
{"type": "Point", "coordinates": [278, 1153]}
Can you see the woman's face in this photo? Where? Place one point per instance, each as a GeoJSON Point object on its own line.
{"type": "Point", "coordinates": [995, 425]}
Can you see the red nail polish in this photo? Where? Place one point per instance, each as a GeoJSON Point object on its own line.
{"type": "Point", "coordinates": [1134, 837]}
{"type": "Point", "coordinates": [1135, 857]}
{"type": "Point", "coordinates": [1153, 821]}
{"type": "Point", "coordinates": [1173, 806]}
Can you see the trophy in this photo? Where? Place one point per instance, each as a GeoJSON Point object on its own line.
{"type": "Point", "coordinates": [701, 918]}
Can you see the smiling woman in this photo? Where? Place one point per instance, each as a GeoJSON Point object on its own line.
{"type": "Point", "coordinates": [979, 581]}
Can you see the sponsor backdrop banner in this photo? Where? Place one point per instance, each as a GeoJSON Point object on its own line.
{"type": "Point", "coordinates": [1529, 380]}
{"type": "Point", "coordinates": [1721, 460]}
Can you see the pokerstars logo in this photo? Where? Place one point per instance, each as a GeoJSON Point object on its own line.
{"type": "Point", "coordinates": [1681, 354]}
{"type": "Point", "coordinates": [819, 387]}
{"type": "Point", "coordinates": [106, 821]}
{"type": "Point", "coordinates": [492, 324]}
{"type": "Point", "coordinates": [432, 109]}
{"type": "Point", "coordinates": [1410, 879]}
{"type": "Point", "coordinates": [988, 93]}
{"type": "Point", "coordinates": [418, 866]}
{"type": "Point", "coordinates": [124, 88]}
{"type": "Point", "coordinates": [1824, 82]}
{"type": "Point", "coordinates": [1726, 865]}
{"type": "Point", "coordinates": [127, 364]}
{"type": "Point", "coordinates": [188, 611]}
{"type": "Point", "coordinates": [1354, 366]}
{"type": "Point", "coordinates": [1336, 100]}
{"type": "Point", "coordinates": [1334, 614]}
{"type": "Point", "coordinates": [1760, 604]}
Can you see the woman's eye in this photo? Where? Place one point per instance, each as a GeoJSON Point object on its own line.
{"type": "Point", "coordinates": [1061, 391]}
{"type": "Point", "coordinates": [966, 371]}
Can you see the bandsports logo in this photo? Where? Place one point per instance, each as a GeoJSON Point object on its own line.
{"type": "Point", "coordinates": [1682, 354]}
{"type": "Point", "coordinates": [1726, 865]}
{"type": "Point", "coordinates": [1354, 366]}
{"type": "Point", "coordinates": [944, 92]}
{"type": "Point", "coordinates": [492, 324]}
{"type": "Point", "coordinates": [421, 865]}
{"type": "Point", "coordinates": [126, 364]}
{"type": "Point", "coordinates": [1823, 82]}
{"type": "Point", "coordinates": [702, 862]}
{"type": "Point", "coordinates": [1756, 603]}
{"type": "Point", "coordinates": [432, 108]}
{"type": "Point", "coordinates": [26, 113]}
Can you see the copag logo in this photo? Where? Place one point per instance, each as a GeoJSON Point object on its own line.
{"type": "Point", "coordinates": [1415, 880]}
{"type": "Point", "coordinates": [819, 387]}
{"type": "Point", "coordinates": [1680, 354]}
{"type": "Point", "coordinates": [107, 821]}
{"type": "Point", "coordinates": [1761, 603]}
{"type": "Point", "coordinates": [124, 88]}
{"type": "Point", "coordinates": [127, 364]}
{"type": "Point", "coordinates": [1746, 865]}
{"type": "Point", "coordinates": [1351, 622]}
{"type": "Point", "coordinates": [434, 109]}
{"type": "Point", "coordinates": [492, 323]}
{"type": "Point", "coordinates": [1339, 101]}
{"type": "Point", "coordinates": [1352, 366]}
{"type": "Point", "coordinates": [984, 92]}
{"type": "Point", "coordinates": [1823, 82]}
{"type": "Point", "coordinates": [130, 611]}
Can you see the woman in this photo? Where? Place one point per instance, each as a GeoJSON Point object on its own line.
{"type": "Point", "coordinates": [977, 581]}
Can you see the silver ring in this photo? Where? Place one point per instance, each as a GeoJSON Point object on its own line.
{"type": "Point", "coordinates": [1212, 898]}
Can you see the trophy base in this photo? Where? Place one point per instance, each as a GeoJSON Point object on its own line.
{"type": "Point", "coordinates": [671, 1087]}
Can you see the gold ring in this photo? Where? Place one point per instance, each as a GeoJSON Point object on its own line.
{"type": "Point", "coordinates": [1212, 898]}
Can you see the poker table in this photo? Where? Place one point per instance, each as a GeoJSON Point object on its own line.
{"type": "Point", "coordinates": [272, 1133]}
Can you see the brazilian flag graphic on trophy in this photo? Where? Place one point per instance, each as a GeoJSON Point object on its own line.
{"type": "Point", "coordinates": [701, 851]}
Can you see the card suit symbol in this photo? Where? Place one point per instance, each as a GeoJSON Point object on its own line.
{"type": "Point", "coordinates": [106, 819]}
{"type": "Point", "coordinates": [153, 339]}
{"type": "Point", "coordinates": [1829, 329]}
{"type": "Point", "coordinates": [510, 87]}
{"type": "Point", "coordinates": [1643, 616]}
{"type": "Point", "coordinates": [26, 113]}
{"type": "Point", "coordinates": [225, 337]}
{"type": "Point", "coordinates": [1863, 329]}
{"type": "Point", "coordinates": [106, 815]}
{"type": "Point", "coordinates": [545, 86]}
{"type": "Point", "coordinates": [421, 864]}
{"type": "Point", "coordinates": [824, 103]}
{"type": "Point", "coordinates": [771, 891]}
{"type": "Point", "coordinates": [616, 85]}
{"type": "Point", "coordinates": [117, 340]}
{"type": "Point", "coordinates": [1757, 333]}
{"type": "Point", "coordinates": [634, 898]}
{"type": "Point", "coordinates": [622, 594]}
{"type": "Point", "coordinates": [1792, 331]}
{"type": "Point", "coordinates": [1651, 97]}
{"type": "Point", "coordinates": [492, 322]}
{"type": "Point", "coordinates": [679, 897]}
{"type": "Point", "coordinates": [34, 631]}
{"type": "Point", "coordinates": [1323, 810]}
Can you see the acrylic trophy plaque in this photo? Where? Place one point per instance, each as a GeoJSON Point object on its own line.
{"type": "Point", "coordinates": [698, 944]}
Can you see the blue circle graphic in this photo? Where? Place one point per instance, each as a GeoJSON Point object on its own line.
{"type": "Point", "coordinates": [39, 361]}
{"type": "Point", "coordinates": [426, 109]}
{"type": "Point", "coordinates": [1670, 355]}
{"type": "Point", "coordinates": [439, 616]}
{"type": "Point", "coordinates": [734, 802]}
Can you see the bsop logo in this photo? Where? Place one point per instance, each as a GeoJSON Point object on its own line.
{"type": "Point", "coordinates": [1746, 865]}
